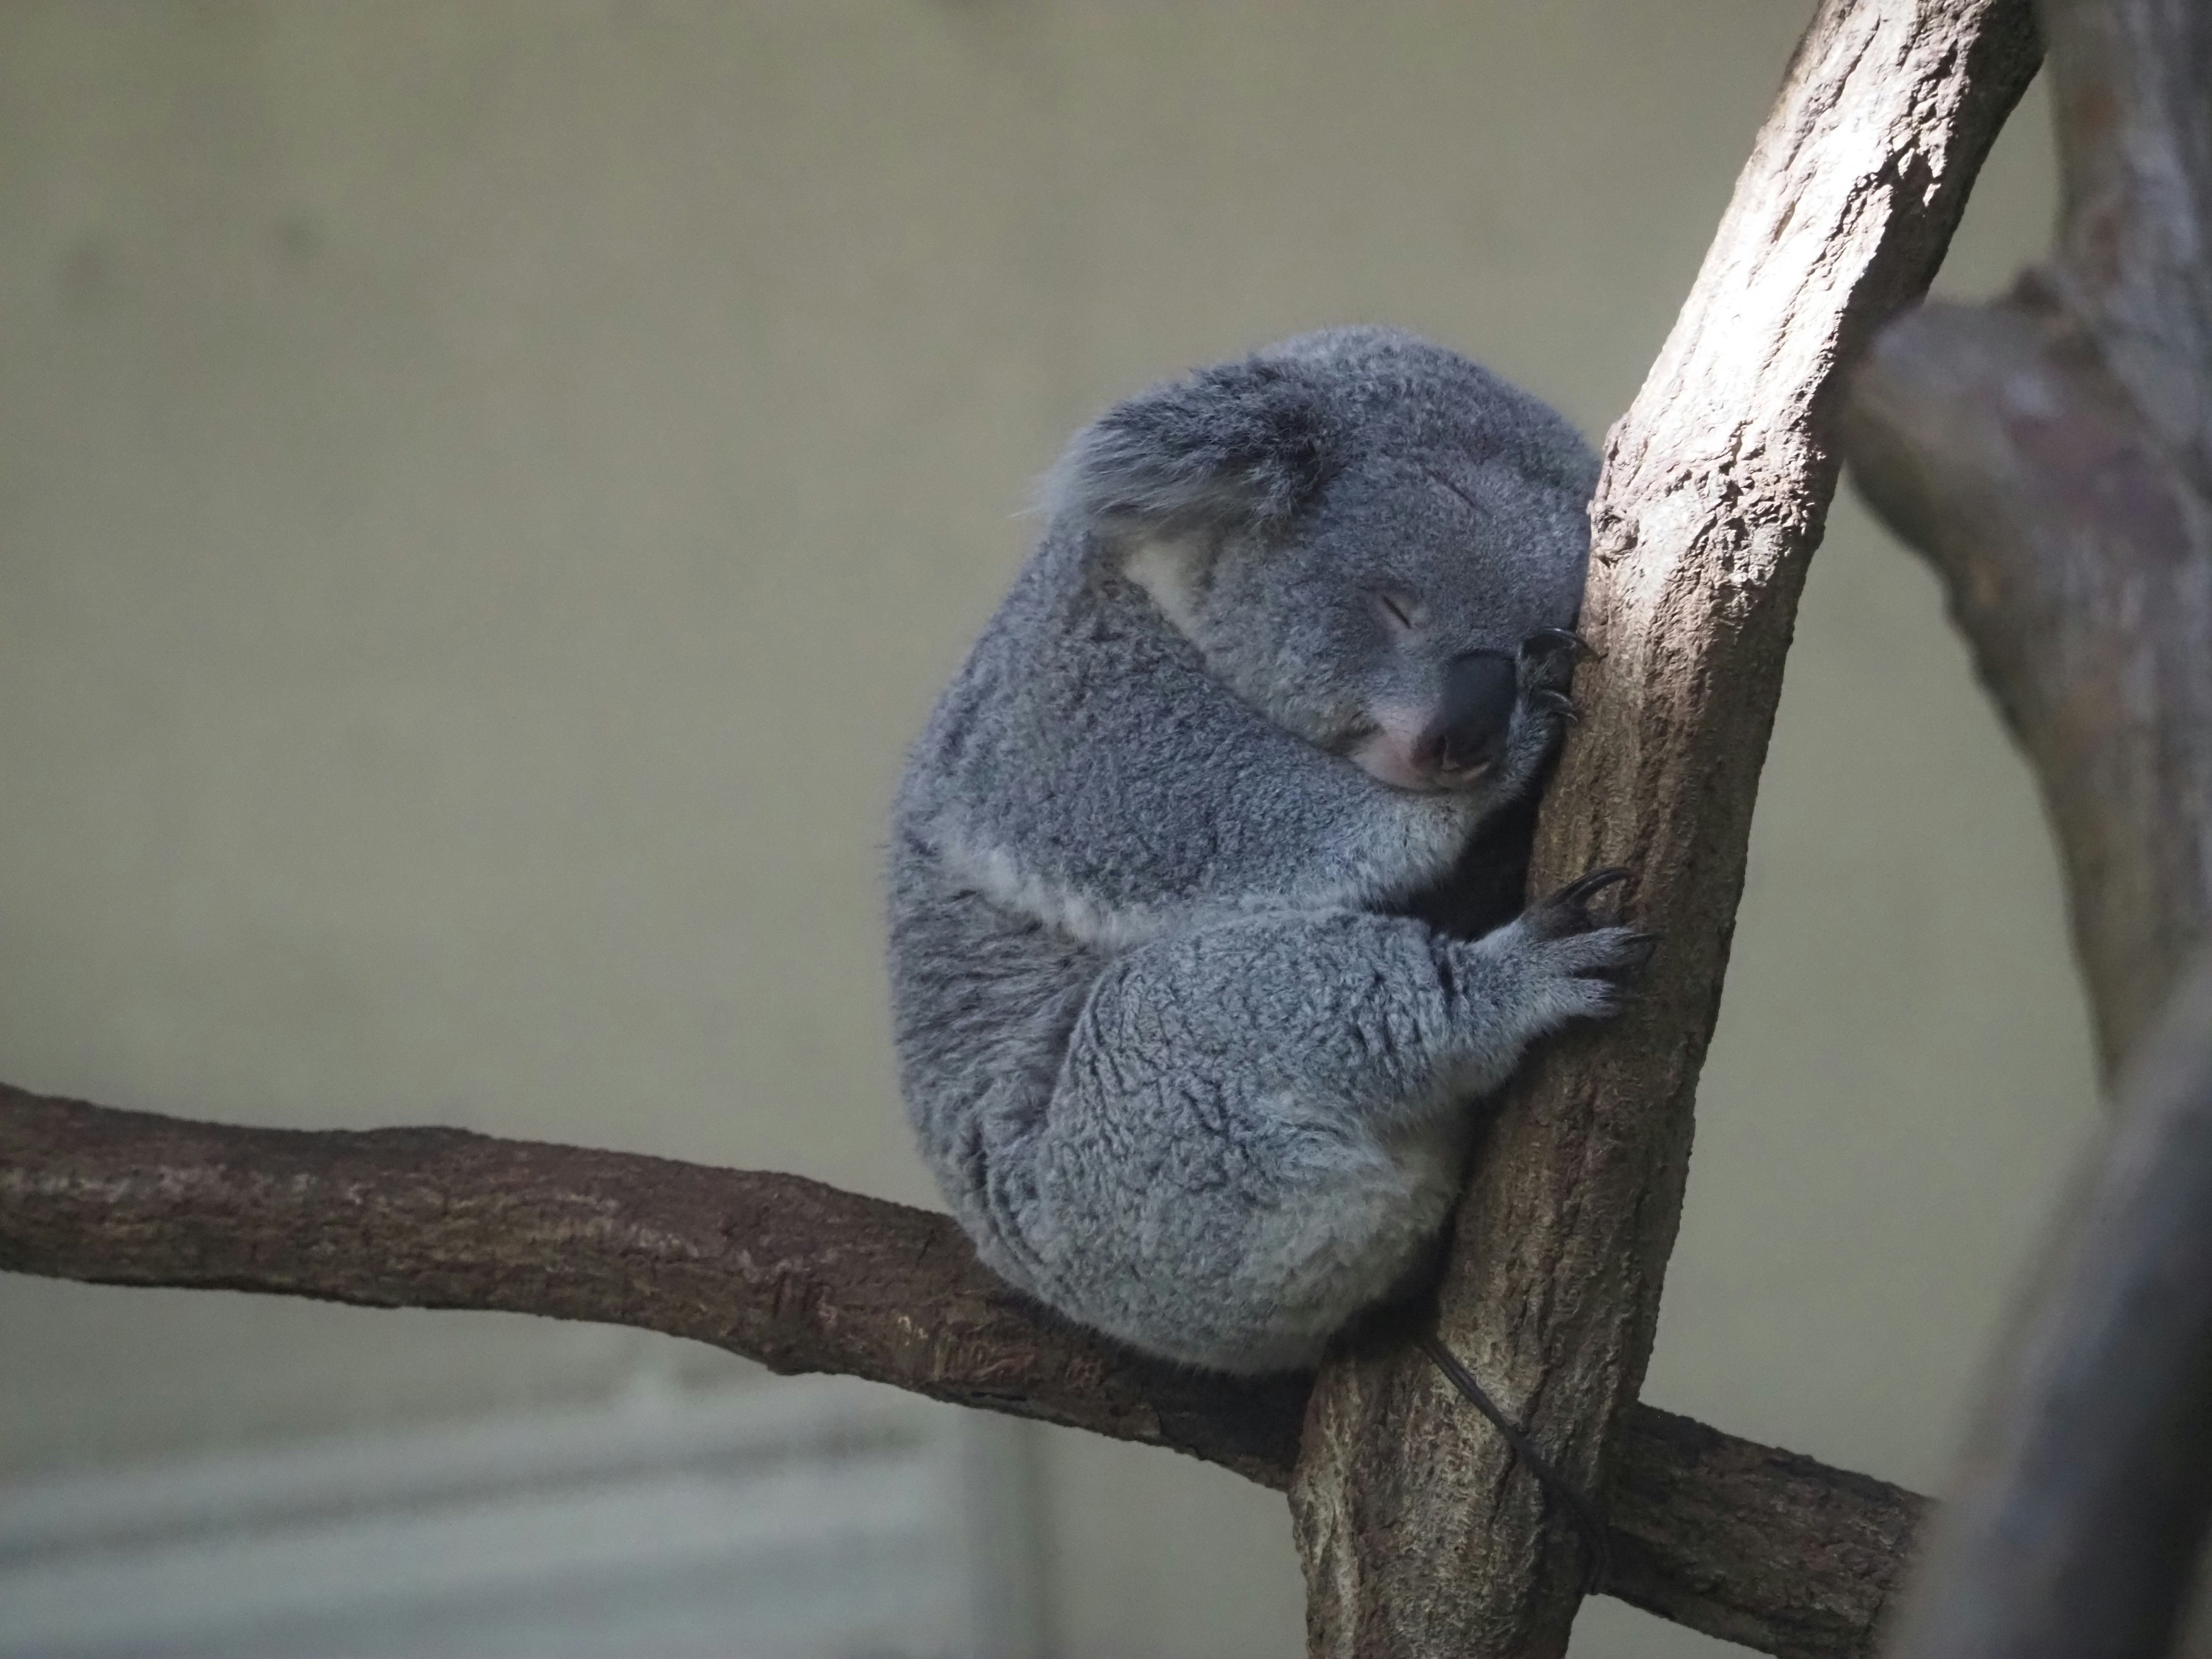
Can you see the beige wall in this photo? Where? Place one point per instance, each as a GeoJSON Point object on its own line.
{"type": "Point", "coordinates": [486, 491]}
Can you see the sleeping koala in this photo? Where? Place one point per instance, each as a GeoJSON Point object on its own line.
{"type": "Point", "coordinates": [1191, 991]}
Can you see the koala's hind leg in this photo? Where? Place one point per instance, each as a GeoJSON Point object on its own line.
{"type": "Point", "coordinates": [1255, 1128]}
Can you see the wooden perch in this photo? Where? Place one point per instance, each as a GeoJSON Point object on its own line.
{"type": "Point", "coordinates": [1737, 1540]}
{"type": "Point", "coordinates": [1716, 487]}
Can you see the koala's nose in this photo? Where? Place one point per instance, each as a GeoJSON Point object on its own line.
{"type": "Point", "coordinates": [1470, 728]}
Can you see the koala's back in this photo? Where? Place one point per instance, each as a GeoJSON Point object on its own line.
{"type": "Point", "coordinates": [983, 998]}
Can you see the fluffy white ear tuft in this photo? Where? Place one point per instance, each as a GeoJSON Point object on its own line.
{"type": "Point", "coordinates": [1167, 568]}
{"type": "Point", "coordinates": [1239, 446]}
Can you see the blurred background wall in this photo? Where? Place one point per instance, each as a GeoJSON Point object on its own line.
{"type": "Point", "coordinates": [486, 491]}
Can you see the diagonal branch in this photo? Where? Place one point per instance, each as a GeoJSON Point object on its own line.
{"type": "Point", "coordinates": [1716, 487]}
{"type": "Point", "coordinates": [1740, 1540]}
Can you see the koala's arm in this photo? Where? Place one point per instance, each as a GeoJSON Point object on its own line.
{"type": "Point", "coordinates": [1255, 1127]}
{"type": "Point", "coordinates": [1334, 1021]}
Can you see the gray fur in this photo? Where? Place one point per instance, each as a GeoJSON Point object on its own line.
{"type": "Point", "coordinates": [1183, 1063]}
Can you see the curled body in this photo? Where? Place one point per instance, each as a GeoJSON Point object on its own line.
{"type": "Point", "coordinates": [1193, 1000]}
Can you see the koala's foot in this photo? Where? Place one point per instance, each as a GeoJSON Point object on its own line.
{"type": "Point", "coordinates": [1568, 963]}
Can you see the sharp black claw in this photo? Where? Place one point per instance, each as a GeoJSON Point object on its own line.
{"type": "Point", "coordinates": [1581, 892]}
{"type": "Point", "coordinates": [1563, 638]}
{"type": "Point", "coordinates": [1559, 702]}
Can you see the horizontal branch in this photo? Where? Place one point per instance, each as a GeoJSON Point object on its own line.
{"type": "Point", "coordinates": [1738, 1541]}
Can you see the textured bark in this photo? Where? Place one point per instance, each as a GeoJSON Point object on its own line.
{"type": "Point", "coordinates": [1751, 1544]}
{"type": "Point", "coordinates": [2076, 1529]}
{"type": "Point", "coordinates": [1418, 1535]}
{"type": "Point", "coordinates": [2052, 454]}
{"type": "Point", "coordinates": [786, 1270]}
{"type": "Point", "coordinates": [1740, 1540]}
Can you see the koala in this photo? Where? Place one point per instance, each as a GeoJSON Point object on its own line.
{"type": "Point", "coordinates": [1192, 985]}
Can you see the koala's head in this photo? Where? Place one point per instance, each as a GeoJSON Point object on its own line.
{"type": "Point", "coordinates": [1366, 536]}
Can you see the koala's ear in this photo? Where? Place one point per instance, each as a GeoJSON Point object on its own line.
{"type": "Point", "coordinates": [1241, 446]}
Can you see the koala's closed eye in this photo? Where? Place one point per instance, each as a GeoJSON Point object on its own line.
{"type": "Point", "coordinates": [1400, 608]}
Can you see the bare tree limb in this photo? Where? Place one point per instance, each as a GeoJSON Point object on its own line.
{"type": "Point", "coordinates": [1740, 1540]}
{"type": "Point", "coordinates": [1417, 1540]}
{"type": "Point", "coordinates": [2076, 1529]}
{"type": "Point", "coordinates": [2052, 455]}
{"type": "Point", "coordinates": [1753, 1545]}
{"type": "Point", "coordinates": [797, 1275]}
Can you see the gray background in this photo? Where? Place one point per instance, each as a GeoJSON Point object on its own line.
{"type": "Point", "coordinates": [487, 490]}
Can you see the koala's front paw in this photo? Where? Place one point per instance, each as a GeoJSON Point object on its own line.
{"type": "Point", "coordinates": [1571, 964]}
{"type": "Point", "coordinates": [1545, 668]}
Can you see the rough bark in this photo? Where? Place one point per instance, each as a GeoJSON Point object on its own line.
{"type": "Point", "coordinates": [1418, 1538]}
{"type": "Point", "coordinates": [2076, 1529]}
{"type": "Point", "coordinates": [797, 1275]}
{"type": "Point", "coordinates": [1751, 1544]}
{"type": "Point", "coordinates": [1737, 1540]}
{"type": "Point", "coordinates": [2052, 455]}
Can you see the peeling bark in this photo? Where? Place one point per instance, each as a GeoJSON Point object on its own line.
{"type": "Point", "coordinates": [1737, 1540]}
{"type": "Point", "coordinates": [1419, 1536]}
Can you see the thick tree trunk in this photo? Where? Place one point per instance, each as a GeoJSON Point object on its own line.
{"type": "Point", "coordinates": [2052, 455]}
{"type": "Point", "coordinates": [1420, 1536]}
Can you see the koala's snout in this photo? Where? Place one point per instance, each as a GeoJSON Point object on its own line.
{"type": "Point", "coordinates": [1451, 743]}
{"type": "Point", "coordinates": [1470, 731]}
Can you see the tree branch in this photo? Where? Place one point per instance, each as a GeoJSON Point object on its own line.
{"type": "Point", "coordinates": [1740, 1540]}
{"type": "Point", "coordinates": [2052, 456]}
{"type": "Point", "coordinates": [1417, 1540]}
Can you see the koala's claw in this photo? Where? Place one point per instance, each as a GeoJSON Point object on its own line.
{"type": "Point", "coordinates": [1576, 895]}
{"type": "Point", "coordinates": [1632, 952]}
{"type": "Point", "coordinates": [1561, 639]}
{"type": "Point", "coordinates": [1567, 912]}
{"type": "Point", "coordinates": [1559, 702]}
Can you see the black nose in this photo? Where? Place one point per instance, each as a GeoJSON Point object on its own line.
{"type": "Point", "coordinates": [1478, 709]}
